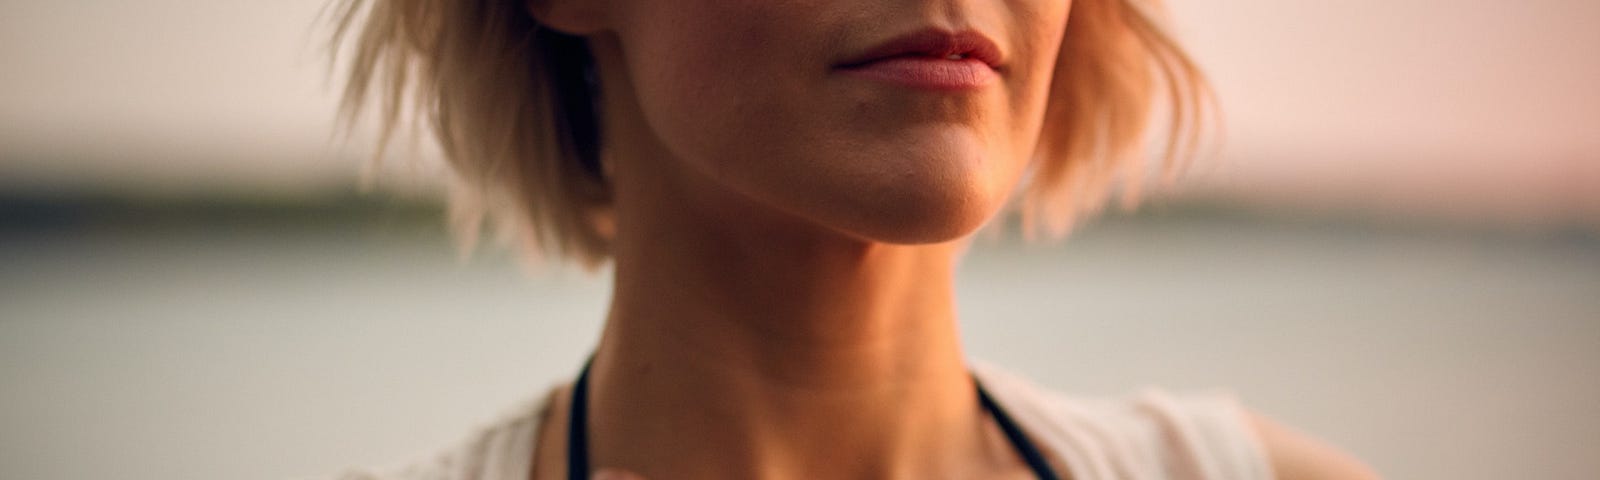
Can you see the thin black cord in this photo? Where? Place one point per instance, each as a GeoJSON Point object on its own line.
{"type": "Point", "coordinates": [578, 428]}
{"type": "Point", "coordinates": [578, 431]}
{"type": "Point", "coordinates": [1019, 440]}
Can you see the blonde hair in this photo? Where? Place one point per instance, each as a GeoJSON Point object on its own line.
{"type": "Point", "coordinates": [510, 104]}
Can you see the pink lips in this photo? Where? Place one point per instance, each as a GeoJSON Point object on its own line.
{"type": "Point", "coordinates": [930, 59]}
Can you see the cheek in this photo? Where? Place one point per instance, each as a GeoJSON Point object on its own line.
{"type": "Point", "coordinates": [1039, 29]}
{"type": "Point", "coordinates": [716, 78]}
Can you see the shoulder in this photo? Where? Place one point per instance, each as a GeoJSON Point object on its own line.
{"type": "Point", "coordinates": [1158, 434]}
{"type": "Point", "coordinates": [1296, 456]}
{"type": "Point", "coordinates": [499, 450]}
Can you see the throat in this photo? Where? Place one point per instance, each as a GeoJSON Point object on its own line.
{"type": "Point", "coordinates": [781, 352]}
{"type": "Point", "coordinates": [800, 433]}
{"type": "Point", "coordinates": [706, 396]}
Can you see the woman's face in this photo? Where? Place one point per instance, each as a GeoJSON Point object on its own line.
{"type": "Point", "coordinates": [902, 121]}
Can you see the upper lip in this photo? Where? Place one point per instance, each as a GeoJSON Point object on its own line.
{"type": "Point", "coordinates": [932, 43]}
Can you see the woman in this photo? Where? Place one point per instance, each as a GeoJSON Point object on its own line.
{"type": "Point", "coordinates": [784, 188]}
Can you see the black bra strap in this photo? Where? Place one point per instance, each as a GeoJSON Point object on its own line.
{"type": "Point", "coordinates": [1019, 440]}
{"type": "Point", "coordinates": [578, 428]}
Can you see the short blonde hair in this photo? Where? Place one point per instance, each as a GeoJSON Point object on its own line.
{"type": "Point", "coordinates": [510, 104]}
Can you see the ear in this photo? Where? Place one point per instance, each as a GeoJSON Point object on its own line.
{"type": "Point", "coordinates": [572, 17]}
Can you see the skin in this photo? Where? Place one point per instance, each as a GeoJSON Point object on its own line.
{"type": "Point", "coordinates": [786, 237]}
{"type": "Point", "coordinates": [867, 161]}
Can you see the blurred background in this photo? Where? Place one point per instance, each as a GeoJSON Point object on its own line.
{"type": "Point", "coordinates": [1398, 250]}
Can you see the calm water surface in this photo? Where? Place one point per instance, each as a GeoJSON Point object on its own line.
{"type": "Point", "coordinates": [263, 352]}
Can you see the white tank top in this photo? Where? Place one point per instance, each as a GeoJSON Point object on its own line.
{"type": "Point", "coordinates": [1154, 435]}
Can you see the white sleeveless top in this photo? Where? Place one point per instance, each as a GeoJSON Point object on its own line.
{"type": "Point", "coordinates": [1151, 436]}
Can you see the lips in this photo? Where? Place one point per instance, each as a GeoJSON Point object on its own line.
{"type": "Point", "coordinates": [934, 44]}
{"type": "Point", "coordinates": [930, 59]}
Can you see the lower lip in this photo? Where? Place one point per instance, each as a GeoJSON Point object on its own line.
{"type": "Point", "coordinates": [931, 73]}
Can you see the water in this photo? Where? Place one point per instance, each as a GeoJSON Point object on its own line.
{"type": "Point", "coordinates": [266, 350]}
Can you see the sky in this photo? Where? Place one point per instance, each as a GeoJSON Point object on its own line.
{"type": "Point", "coordinates": [1464, 107]}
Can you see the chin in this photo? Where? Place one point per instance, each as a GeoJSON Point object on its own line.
{"type": "Point", "coordinates": [926, 185]}
{"type": "Point", "coordinates": [930, 200]}
{"type": "Point", "coordinates": [919, 219]}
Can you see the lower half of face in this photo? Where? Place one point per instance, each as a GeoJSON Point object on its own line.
{"type": "Point", "coordinates": [895, 121]}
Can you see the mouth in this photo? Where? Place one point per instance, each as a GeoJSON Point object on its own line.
{"type": "Point", "coordinates": [933, 44]}
{"type": "Point", "coordinates": [930, 59]}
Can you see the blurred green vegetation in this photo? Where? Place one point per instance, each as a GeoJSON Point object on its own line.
{"type": "Point", "coordinates": [109, 213]}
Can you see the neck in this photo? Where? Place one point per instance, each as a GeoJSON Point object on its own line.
{"type": "Point", "coordinates": [809, 318]}
{"type": "Point", "coordinates": [734, 357]}
{"type": "Point", "coordinates": [744, 344]}
{"type": "Point", "coordinates": [770, 388]}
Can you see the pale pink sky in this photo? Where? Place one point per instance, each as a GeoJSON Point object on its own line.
{"type": "Point", "coordinates": [1429, 106]}
{"type": "Point", "coordinates": [1409, 106]}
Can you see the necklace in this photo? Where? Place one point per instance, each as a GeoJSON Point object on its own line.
{"type": "Point", "coordinates": [578, 432]}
